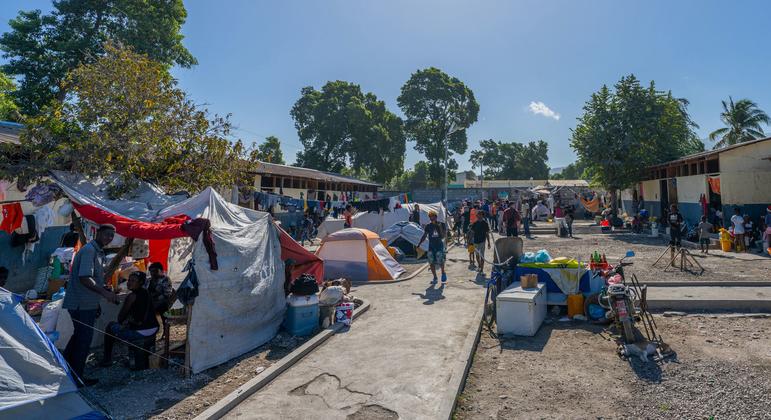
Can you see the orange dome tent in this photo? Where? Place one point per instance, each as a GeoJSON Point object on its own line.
{"type": "Point", "coordinates": [358, 255]}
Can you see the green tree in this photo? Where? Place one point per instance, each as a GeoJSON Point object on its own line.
{"type": "Point", "coordinates": [623, 131]}
{"type": "Point", "coordinates": [512, 160]}
{"type": "Point", "coordinates": [43, 48]}
{"type": "Point", "coordinates": [341, 126]}
{"type": "Point", "coordinates": [439, 108]}
{"type": "Point", "coordinates": [270, 151]}
{"type": "Point", "coordinates": [410, 179]}
{"type": "Point", "coordinates": [8, 108]}
{"type": "Point", "coordinates": [574, 170]}
{"type": "Point", "coordinates": [126, 116]}
{"type": "Point", "coordinates": [742, 121]}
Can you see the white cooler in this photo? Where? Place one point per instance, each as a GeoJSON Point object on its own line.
{"type": "Point", "coordinates": [521, 311]}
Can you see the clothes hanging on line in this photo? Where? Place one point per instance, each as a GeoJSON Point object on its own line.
{"type": "Point", "coordinates": [12, 217]}
{"type": "Point", "coordinates": [44, 217]}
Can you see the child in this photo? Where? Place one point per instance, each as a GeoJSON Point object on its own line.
{"type": "Point", "coordinates": [471, 250]}
{"type": "Point", "coordinates": [704, 230]}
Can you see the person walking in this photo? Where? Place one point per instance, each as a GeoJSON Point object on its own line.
{"type": "Point", "coordinates": [436, 250]}
{"type": "Point", "coordinates": [480, 234]}
{"type": "Point", "coordinates": [85, 288]}
{"type": "Point", "coordinates": [526, 217]}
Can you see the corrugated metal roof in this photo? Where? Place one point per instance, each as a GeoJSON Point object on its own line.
{"type": "Point", "coordinates": [9, 132]}
{"type": "Point", "coordinates": [525, 183]}
{"type": "Point", "coordinates": [264, 168]}
{"type": "Point", "coordinates": [710, 153]}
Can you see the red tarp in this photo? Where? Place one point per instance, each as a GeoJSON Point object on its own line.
{"type": "Point", "coordinates": [168, 229]}
{"type": "Point", "coordinates": [305, 261]}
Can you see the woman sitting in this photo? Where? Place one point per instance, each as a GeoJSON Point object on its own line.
{"type": "Point", "coordinates": [136, 319]}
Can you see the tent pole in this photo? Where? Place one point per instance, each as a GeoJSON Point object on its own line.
{"type": "Point", "coordinates": [189, 313]}
{"type": "Point", "coordinates": [78, 227]}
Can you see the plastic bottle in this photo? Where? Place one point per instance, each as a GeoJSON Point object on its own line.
{"type": "Point", "coordinates": [59, 295]}
{"type": "Point", "coordinates": [604, 260]}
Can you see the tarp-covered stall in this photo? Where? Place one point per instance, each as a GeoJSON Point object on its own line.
{"type": "Point", "coordinates": [237, 260]}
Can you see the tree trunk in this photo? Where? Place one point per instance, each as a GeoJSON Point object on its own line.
{"type": "Point", "coordinates": [614, 202]}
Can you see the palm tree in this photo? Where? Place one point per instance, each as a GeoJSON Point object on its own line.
{"type": "Point", "coordinates": [742, 119]}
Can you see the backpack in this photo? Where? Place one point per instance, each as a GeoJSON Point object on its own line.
{"type": "Point", "coordinates": [305, 285]}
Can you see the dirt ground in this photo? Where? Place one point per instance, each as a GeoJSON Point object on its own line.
{"type": "Point", "coordinates": [166, 394]}
{"type": "Point", "coordinates": [719, 266]}
{"type": "Point", "coordinates": [722, 369]}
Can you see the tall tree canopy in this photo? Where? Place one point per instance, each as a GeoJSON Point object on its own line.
{"type": "Point", "coordinates": [42, 49]}
{"type": "Point", "coordinates": [8, 108]}
{"type": "Point", "coordinates": [439, 108]}
{"type": "Point", "coordinates": [125, 115]}
{"type": "Point", "coordinates": [512, 160]}
{"type": "Point", "coordinates": [270, 151]}
{"type": "Point", "coordinates": [410, 179]}
{"type": "Point", "coordinates": [574, 170]}
{"type": "Point", "coordinates": [341, 126]}
{"type": "Point", "coordinates": [743, 120]}
{"type": "Point", "coordinates": [623, 131]}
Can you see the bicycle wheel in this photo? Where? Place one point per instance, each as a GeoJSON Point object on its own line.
{"type": "Point", "coordinates": [490, 306]}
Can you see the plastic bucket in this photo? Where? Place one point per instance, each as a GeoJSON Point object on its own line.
{"type": "Point", "coordinates": [575, 305]}
{"type": "Point", "coordinates": [725, 246]}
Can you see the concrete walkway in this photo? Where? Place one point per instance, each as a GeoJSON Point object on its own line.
{"type": "Point", "coordinates": [404, 358]}
{"type": "Point", "coordinates": [712, 298]}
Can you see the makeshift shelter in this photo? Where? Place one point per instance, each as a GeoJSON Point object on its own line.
{"type": "Point", "coordinates": [35, 381]}
{"type": "Point", "coordinates": [406, 236]}
{"type": "Point", "coordinates": [238, 263]}
{"type": "Point", "coordinates": [378, 222]}
{"type": "Point", "coordinates": [357, 255]}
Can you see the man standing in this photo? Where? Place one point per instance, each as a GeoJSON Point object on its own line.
{"type": "Point", "coordinates": [570, 216]}
{"type": "Point", "coordinates": [526, 217]}
{"type": "Point", "coordinates": [84, 290]}
{"type": "Point", "coordinates": [675, 220]}
{"type": "Point", "coordinates": [480, 234]}
{"type": "Point", "coordinates": [738, 221]}
{"type": "Point", "coordinates": [436, 256]}
{"type": "Point", "coordinates": [511, 220]}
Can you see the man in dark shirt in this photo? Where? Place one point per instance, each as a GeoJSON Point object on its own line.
{"type": "Point", "coordinates": [70, 239]}
{"type": "Point", "coordinates": [466, 217]}
{"type": "Point", "coordinates": [136, 319]}
{"type": "Point", "coordinates": [436, 251]}
{"type": "Point", "coordinates": [85, 289]}
{"type": "Point", "coordinates": [675, 220]}
{"type": "Point", "coordinates": [481, 234]}
{"type": "Point", "coordinates": [511, 220]}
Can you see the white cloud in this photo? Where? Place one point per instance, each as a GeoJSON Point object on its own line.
{"type": "Point", "coordinates": [540, 108]}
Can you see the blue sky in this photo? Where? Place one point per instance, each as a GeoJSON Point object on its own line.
{"type": "Point", "coordinates": [255, 56]}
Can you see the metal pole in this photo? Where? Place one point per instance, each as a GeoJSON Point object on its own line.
{"type": "Point", "coordinates": [446, 171]}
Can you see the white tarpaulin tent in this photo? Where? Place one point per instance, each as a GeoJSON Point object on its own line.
{"type": "Point", "coordinates": [378, 222]}
{"type": "Point", "coordinates": [408, 231]}
{"type": "Point", "coordinates": [35, 382]}
{"type": "Point", "coordinates": [240, 305]}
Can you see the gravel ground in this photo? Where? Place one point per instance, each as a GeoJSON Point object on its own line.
{"type": "Point", "coordinates": [166, 394]}
{"type": "Point", "coordinates": [571, 370]}
{"type": "Point", "coordinates": [719, 266]}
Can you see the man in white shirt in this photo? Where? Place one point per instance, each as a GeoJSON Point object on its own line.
{"type": "Point", "coordinates": [738, 223]}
